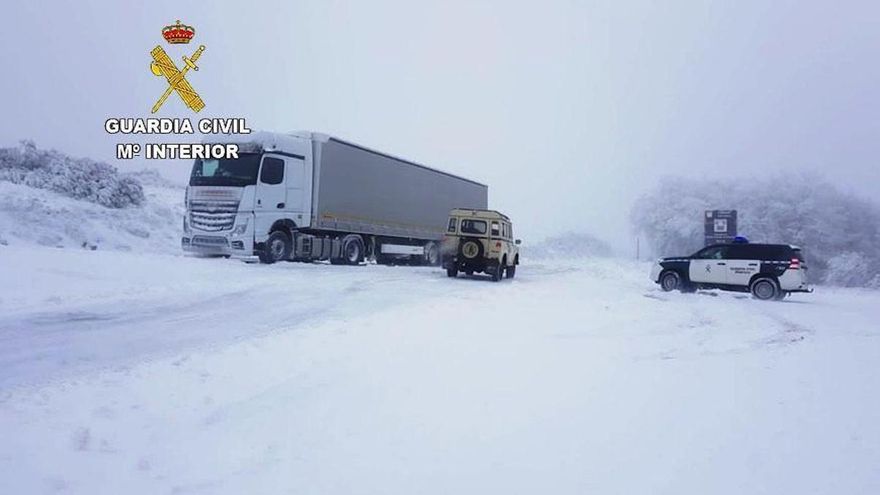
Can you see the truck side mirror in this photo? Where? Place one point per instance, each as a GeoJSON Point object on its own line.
{"type": "Point", "coordinates": [517, 242]}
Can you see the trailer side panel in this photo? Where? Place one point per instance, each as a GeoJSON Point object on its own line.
{"type": "Point", "coordinates": [362, 191]}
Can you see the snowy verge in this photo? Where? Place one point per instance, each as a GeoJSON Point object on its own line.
{"type": "Point", "coordinates": [32, 216]}
{"type": "Point", "coordinates": [194, 375]}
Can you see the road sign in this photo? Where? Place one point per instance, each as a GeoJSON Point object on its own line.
{"type": "Point", "coordinates": [719, 226]}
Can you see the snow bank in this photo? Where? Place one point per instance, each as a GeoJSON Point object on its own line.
{"type": "Point", "coordinates": [38, 216]}
{"type": "Point", "coordinates": [211, 376]}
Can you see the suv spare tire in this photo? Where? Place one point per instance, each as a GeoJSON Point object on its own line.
{"type": "Point", "coordinates": [470, 249]}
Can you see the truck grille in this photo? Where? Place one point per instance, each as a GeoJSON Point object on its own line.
{"type": "Point", "coordinates": [209, 241]}
{"type": "Point", "coordinates": [212, 216]}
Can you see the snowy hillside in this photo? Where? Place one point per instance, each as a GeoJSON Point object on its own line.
{"type": "Point", "coordinates": [50, 199]}
{"type": "Point", "coordinates": [195, 375]}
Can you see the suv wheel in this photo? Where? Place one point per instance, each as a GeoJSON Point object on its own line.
{"type": "Point", "coordinates": [511, 271]}
{"type": "Point", "coordinates": [277, 248]}
{"type": "Point", "coordinates": [498, 273]}
{"type": "Point", "coordinates": [765, 289]}
{"type": "Point", "coordinates": [452, 272]}
{"type": "Point", "coordinates": [670, 281]}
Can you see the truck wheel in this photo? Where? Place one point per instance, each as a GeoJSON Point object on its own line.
{"type": "Point", "coordinates": [277, 248]}
{"type": "Point", "coordinates": [764, 289]}
{"type": "Point", "coordinates": [497, 273]}
{"type": "Point", "coordinates": [670, 281]}
{"type": "Point", "coordinates": [452, 272]}
{"type": "Point", "coordinates": [352, 250]}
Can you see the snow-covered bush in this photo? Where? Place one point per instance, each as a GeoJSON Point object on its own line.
{"type": "Point", "coordinates": [840, 234]}
{"type": "Point", "coordinates": [79, 178]}
{"type": "Point", "coordinates": [570, 245]}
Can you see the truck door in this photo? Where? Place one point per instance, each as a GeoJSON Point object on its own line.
{"type": "Point", "coordinates": [709, 266]}
{"type": "Point", "coordinates": [270, 196]}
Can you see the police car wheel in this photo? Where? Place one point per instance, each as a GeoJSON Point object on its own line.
{"type": "Point", "coordinates": [765, 289]}
{"type": "Point", "coordinates": [670, 281]}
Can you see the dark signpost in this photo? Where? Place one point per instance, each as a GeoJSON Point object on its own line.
{"type": "Point", "coordinates": [719, 226]}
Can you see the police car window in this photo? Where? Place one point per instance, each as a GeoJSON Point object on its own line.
{"type": "Point", "coordinates": [473, 227]}
{"type": "Point", "coordinates": [741, 252]}
{"type": "Point", "coordinates": [713, 253]}
{"type": "Point", "coordinates": [451, 227]}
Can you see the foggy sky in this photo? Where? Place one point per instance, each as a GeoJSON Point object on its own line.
{"type": "Point", "coordinates": [568, 110]}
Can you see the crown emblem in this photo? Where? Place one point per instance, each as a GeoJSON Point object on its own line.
{"type": "Point", "coordinates": [178, 33]}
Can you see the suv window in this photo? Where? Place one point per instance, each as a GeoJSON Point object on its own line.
{"type": "Point", "coordinates": [712, 253]}
{"type": "Point", "coordinates": [469, 226]}
{"type": "Point", "coordinates": [742, 252]}
{"type": "Point", "coordinates": [452, 222]}
{"type": "Point", "coordinates": [496, 229]}
{"type": "Point", "coordinates": [273, 171]}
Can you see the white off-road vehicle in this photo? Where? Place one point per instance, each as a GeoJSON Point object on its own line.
{"type": "Point", "coordinates": [480, 241]}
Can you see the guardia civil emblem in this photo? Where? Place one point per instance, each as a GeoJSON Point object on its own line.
{"type": "Point", "coordinates": [162, 65]}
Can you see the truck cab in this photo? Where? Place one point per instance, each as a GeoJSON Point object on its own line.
{"type": "Point", "coordinates": [480, 241]}
{"type": "Point", "coordinates": [232, 204]}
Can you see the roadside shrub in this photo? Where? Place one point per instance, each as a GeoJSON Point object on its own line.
{"type": "Point", "coordinates": [79, 178]}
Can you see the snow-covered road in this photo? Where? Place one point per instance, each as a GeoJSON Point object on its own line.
{"type": "Point", "coordinates": [126, 373]}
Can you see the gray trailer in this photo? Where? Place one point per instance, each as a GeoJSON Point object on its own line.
{"type": "Point", "coordinates": [308, 196]}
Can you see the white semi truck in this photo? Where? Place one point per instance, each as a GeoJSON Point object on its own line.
{"type": "Point", "coordinates": [307, 196]}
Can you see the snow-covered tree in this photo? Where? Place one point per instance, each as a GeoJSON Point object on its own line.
{"type": "Point", "coordinates": [79, 178]}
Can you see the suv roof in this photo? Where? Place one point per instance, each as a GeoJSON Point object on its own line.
{"type": "Point", "coordinates": [779, 252]}
{"type": "Point", "coordinates": [472, 212]}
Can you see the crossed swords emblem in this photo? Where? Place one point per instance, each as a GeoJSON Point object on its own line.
{"type": "Point", "coordinates": [162, 65]}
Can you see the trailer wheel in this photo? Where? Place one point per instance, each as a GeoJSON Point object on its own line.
{"type": "Point", "coordinates": [277, 248]}
{"type": "Point", "coordinates": [432, 254]}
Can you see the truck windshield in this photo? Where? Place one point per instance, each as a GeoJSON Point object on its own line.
{"type": "Point", "coordinates": [238, 172]}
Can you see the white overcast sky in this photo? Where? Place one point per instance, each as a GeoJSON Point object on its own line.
{"type": "Point", "coordinates": [568, 110]}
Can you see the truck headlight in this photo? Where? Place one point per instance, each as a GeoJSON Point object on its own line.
{"type": "Point", "coordinates": [240, 228]}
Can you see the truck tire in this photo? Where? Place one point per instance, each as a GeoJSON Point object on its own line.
{"type": "Point", "coordinates": [470, 248]}
{"type": "Point", "coordinates": [352, 250]}
{"type": "Point", "coordinates": [277, 248]}
{"type": "Point", "coordinates": [670, 280]}
{"type": "Point", "coordinates": [452, 272]}
{"type": "Point", "coordinates": [765, 289]}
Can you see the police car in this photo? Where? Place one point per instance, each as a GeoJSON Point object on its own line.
{"type": "Point", "coordinates": [768, 271]}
